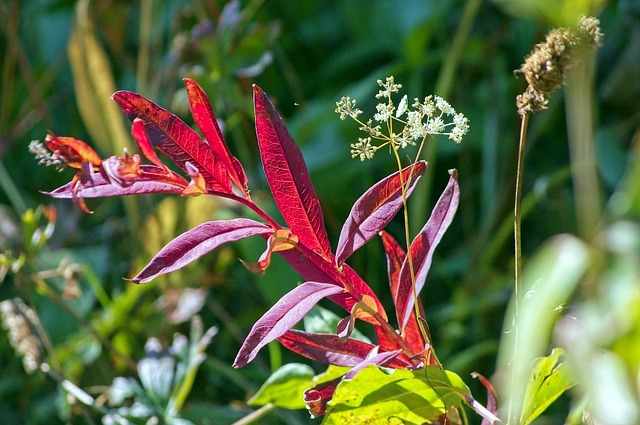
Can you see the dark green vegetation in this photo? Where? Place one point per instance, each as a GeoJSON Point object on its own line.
{"type": "Point", "coordinates": [306, 58]}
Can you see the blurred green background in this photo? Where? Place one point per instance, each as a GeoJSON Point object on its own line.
{"type": "Point", "coordinates": [62, 59]}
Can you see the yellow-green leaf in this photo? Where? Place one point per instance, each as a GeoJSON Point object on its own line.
{"type": "Point", "coordinates": [549, 378]}
{"type": "Point", "coordinates": [94, 85]}
{"type": "Point", "coordinates": [374, 396]}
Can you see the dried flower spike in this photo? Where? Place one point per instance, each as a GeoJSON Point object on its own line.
{"type": "Point", "coordinates": [544, 68]}
{"type": "Point", "coordinates": [18, 319]}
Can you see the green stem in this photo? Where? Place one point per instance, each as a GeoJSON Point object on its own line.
{"type": "Point", "coordinates": [586, 187]}
{"type": "Point", "coordinates": [517, 239]}
{"type": "Point", "coordinates": [255, 415]}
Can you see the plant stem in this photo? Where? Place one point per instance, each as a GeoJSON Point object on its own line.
{"type": "Point", "coordinates": [255, 415]}
{"type": "Point", "coordinates": [517, 211]}
{"type": "Point", "coordinates": [517, 239]}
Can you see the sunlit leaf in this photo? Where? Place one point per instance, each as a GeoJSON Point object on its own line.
{"type": "Point", "coordinates": [373, 396]}
{"type": "Point", "coordinates": [174, 138]}
{"type": "Point", "coordinates": [205, 119]}
{"type": "Point", "coordinates": [285, 387]}
{"type": "Point", "coordinates": [100, 187]}
{"type": "Point", "coordinates": [288, 177]}
{"type": "Point", "coordinates": [549, 379]}
{"type": "Point", "coordinates": [375, 208]}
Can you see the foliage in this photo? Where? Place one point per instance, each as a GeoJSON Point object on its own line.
{"type": "Point", "coordinates": [92, 325]}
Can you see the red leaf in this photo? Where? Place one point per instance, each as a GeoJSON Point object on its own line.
{"type": "Point", "coordinates": [395, 257]}
{"type": "Point", "coordinates": [206, 121]}
{"type": "Point", "coordinates": [196, 242]}
{"type": "Point", "coordinates": [288, 311]}
{"type": "Point", "coordinates": [373, 358]}
{"type": "Point", "coordinates": [412, 334]}
{"type": "Point", "coordinates": [312, 266]}
{"type": "Point", "coordinates": [74, 151]}
{"type": "Point", "coordinates": [422, 249]}
{"type": "Point", "coordinates": [374, 210]}
{"type": "Point", "coordinates": [175, 139]}
{"type": "Point", "coordinates": [331, 349]}
{"type": "Point", "coordinates": [288, 177]}
{"type": "Point", "coordinates": [326, 348]}
{"type": "Point", "coordinates": [492, 398]}
{"type": "Point", "coordinates": [317, 397]}
{"type": "Point", "coordinates": [100, 187]}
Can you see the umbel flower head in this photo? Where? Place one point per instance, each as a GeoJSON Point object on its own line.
{"type": "Point", "coordinates": [422, 118]}
{"type": "Point", "coordinates": [545, 66]}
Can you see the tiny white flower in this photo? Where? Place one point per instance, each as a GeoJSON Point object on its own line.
{"type": "Point", "coordinates": [444, 106]}
{"type": "Point", "coordinates": [435, 125]}
{"type": "Point", "coordinates": [363, 149]}
{"type": "Point", "coordinates": [461, 122]}
{"type": "Point", "coordinates": [385, 110]}
{"type": "Point", "coordinates": [402, 107]}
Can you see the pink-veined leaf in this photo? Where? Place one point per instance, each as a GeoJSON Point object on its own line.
{"type": "Point", "coordinates": [412, 334]}
{"type": "Point", "coordinates": [196, 242]}
{"type": "Point", "coordinates": [175, 138]}
{"type": "Point", "coordinates": [395, 257]}
{"type": "Point", "coordinates": [284, 314]}
{"type": "Point", "coordinates": [139, 133]}
{"type": "Point", "coordinates": [373, 358]}
{"type": "Point", "coordinates": [205, 119]}
{"type": "Point", "coordinates": [100, 187]}
{"type": "Point", "coordinates": [314, 267]}
{"type": "Point", "coordinates": [288, 177]}
{"type": "Point", "coordinates": [422, 249]}
{"type": "Point", "coordinates": [331, 349]}
{"type": "Point", "coordinates": [375, 208]}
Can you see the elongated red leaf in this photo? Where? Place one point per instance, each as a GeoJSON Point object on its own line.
{"type": "Point", "coordinates": [100, 187]}
{"type": "Point", "coordinates": [288, 311]}
{"type": "Point", "coordinates": [312, 266]}
{"type": "Point", "coordinates": [374, 210]}
{"type": "Point", "coordinates": [422, 249]}
{"type": "Point", "coordinates": [205, 119]}
{"type": "Point", "coordinates": [373, 358]}
{"type": "Point", "coordinates": [288, 177]}
{"type": "Point", "coordinates": [412, 335]}
{"type": "Point", "coordinates": [194, 243]}
{"type": "Point", "coordinates": [331, 349]}
{"type": "Point", "coordinates": [174, 138]}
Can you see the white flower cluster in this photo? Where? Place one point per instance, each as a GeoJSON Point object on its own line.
{"type": "Point", "coordinates": [424, 118]}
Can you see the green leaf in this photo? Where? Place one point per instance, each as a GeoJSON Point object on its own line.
{"type": "Point", "coordinates": [285, 386]}
{"type": "Point", "coordinates": [374, 396]}
{"type": "Point", "coordinates": [94, 84]}
{"type": "Point", "coordinates": [549, 378]}
{"type": "Point", "coordinates": [321, 320]}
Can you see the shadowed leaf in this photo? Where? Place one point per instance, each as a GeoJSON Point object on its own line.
{"type": "Point", "coordinates": [288, 311]}
{"type": "Point", "coordinates": [331, 349]}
